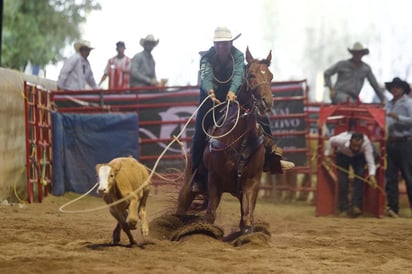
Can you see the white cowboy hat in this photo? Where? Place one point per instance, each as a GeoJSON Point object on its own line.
{"type": "Point", "coordinates": [223, 34]}
{"type": "Point", "coordinates": [149, 38]}
{"type": "Point", "coordinates": [82, 43]}
{"type": "Point", "coordinates": [358, 47]}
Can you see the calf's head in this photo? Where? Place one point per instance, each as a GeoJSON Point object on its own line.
{"type": "Point", "coordinates": [106, 176]}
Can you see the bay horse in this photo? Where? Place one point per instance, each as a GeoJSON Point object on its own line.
{"type": "Point", "coordinates": [234, 158]}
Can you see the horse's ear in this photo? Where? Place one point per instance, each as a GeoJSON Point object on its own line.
{"type": "Point", "coordinates": [269, 58]}
{"type": "Point", "coordinates": [249, 57]}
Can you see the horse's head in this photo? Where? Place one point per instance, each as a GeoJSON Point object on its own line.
{"type": "Point", "coordinates": [258, 81]}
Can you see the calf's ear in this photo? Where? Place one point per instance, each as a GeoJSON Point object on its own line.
{"type": "Point", "coordinates": [116, 166]}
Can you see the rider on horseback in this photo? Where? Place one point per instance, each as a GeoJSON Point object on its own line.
{"type": "Point", "coordinates": [222, 73]}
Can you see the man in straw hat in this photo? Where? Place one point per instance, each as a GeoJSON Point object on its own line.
{"type": "Point", "coordinates": [399, 143]}
{"type": "Point", "coordinates": [351, 75]}
{"type": "Point", "coordinates": [222, 72]}
{"type": "Point", "coordinates": [76, 71]}
{"type": "Point", "coordinates": [143, 67]}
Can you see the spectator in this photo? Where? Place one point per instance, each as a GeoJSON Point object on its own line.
{"type": "Point", "coordinates": [222, 72]}
{"type": "Point", "coordinates": [352, 149]}
{"type": "Point", "coordinates": [76, 71]}
{"type": "Point", "coordinates": [351, 75]}
{"type": "Point", "coordinates": [117, 69]}
{"type": "Point", "coordinates": [399, 143]}
{"type": "Point", "coordinates": [143, 68]}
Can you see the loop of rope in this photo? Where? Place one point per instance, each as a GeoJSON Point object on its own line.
{"type": "Point", "coordinates": [229, 131]}
{"type": "Point", "coordinates": [230, 77]}
{"type": "Point", "coordinates": [214, 115]}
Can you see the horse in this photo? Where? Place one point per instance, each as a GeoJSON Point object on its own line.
{"type": "Point", "coordinates": [234, 157]}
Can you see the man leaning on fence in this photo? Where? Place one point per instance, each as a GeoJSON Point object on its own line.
{"type": "Point", "coordinates": [351, 75]}
{"type": "Point", "coordinates": [351, 149]}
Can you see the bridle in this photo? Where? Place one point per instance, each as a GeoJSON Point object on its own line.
{"type": "Point", "coordinates": [252, 89]}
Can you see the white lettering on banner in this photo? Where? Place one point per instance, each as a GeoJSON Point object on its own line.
{"type": "Point", "coordinates": [286, 123]}
{"type": "Point", "coordinates": [177, 114]}
{"type": "Point", "coordinates": [281, 111]}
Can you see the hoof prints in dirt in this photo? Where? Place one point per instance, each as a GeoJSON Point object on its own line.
{"type": "Point", "coordinates": [175, 228]}
{"type": "Point", "coordinates": [163, 227]}
{"type": "Point", "coordinates": [198, 228]}
{"type": "Point", "coordinates": [260, 236]}
{"type": "Point", "coordinates": [255, 239]}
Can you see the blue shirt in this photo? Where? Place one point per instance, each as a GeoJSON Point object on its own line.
{"type": "Point", "coordinates": [142, 70]}
{"type": "Point", "coordinates": [351, 78]}
{"type": "Point", "coordinates": [403, 126]}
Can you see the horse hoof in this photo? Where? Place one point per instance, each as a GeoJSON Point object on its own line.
{"type": "Point", "coordinates": [247, 229]}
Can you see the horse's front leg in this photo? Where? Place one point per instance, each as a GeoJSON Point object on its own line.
{"type": "Point", "coordinates": [247, 208]}
{"type": "Point", "coordinates": [215, 194]}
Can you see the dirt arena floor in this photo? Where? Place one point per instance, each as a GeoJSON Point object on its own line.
{"type": "Point", "coordinates": [38, 238]}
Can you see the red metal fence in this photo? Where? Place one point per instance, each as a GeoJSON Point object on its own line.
{"type": "Point", "coordinates": [162, 115]}
{"type": "Point", "coordinates": [38, 142]}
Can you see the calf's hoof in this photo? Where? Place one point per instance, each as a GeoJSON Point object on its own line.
{"type": "Point", "coordinates": [145, 230]}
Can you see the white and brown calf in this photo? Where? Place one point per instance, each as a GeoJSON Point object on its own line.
{"type": "Point", "coordinates": [119, 178]}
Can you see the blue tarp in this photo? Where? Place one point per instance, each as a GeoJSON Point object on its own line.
{"type": "Point", "coordinates": [80, 141]}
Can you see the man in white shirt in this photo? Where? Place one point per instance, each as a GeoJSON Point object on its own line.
{"type": "Point", "coordinates": [352, 149]}
{"type": "Point", "coordinates": [76, 71]}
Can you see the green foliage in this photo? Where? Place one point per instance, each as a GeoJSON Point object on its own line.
{"type": "Point", "coordinates": [39, 30]}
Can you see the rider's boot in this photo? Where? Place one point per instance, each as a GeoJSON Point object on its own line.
{"type": "Point", "coordinates": [198, 183]}
{"type": "Point", "coordinates": [198, 179]}
{"type": "Point", "coordinates": [273, 158]}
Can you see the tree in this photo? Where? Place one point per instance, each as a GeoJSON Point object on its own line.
{"type": "Point", "coordinates": [39, 30]}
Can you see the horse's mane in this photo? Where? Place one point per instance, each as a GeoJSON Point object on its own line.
{"type": "Point", "coordinates": [259, 61]}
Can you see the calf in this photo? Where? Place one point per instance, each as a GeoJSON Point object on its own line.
{"type": "Point", "coordinates": [122, 177]}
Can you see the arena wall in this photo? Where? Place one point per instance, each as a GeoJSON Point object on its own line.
{"type": "Point", "coordinates": [12, 132]}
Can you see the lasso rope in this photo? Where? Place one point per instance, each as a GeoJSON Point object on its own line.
{"type": "Point", "coordinates": [21, 201]}
{"type": "Point", "coordinates": [214, 115]}
{"type": "Point", "coordinates": [224, 120]}
{"type": "Point", "coordinates": [362, 179]}
{"type": "Point", "coordinates": [144, 184]}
